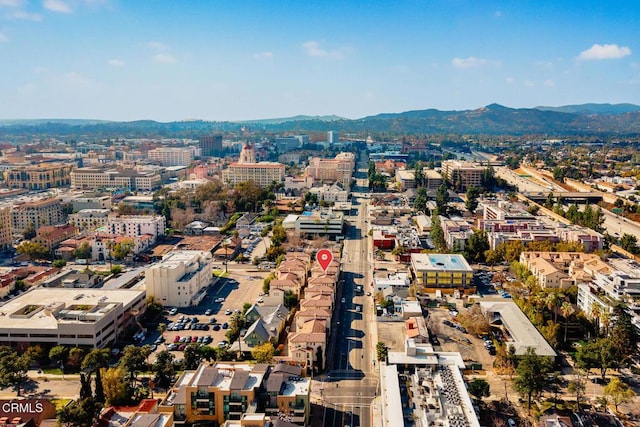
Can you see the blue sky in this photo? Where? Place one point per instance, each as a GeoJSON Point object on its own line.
{"type": "Point", "coordinates": [235, 60]}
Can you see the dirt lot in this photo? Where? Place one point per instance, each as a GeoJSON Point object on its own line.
{"type": "Point", "coordinates": [392, 334]}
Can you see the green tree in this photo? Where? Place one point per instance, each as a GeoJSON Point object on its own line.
{"type": "Point", "coordinates": [58, 353]}
{"type": "Point", "coordinates": [83, 251]}
{"type": "Point", "coordinates": [471, 204]}
{"type": "Point", "coordinates": [33, 250]}
{"type": "Point", "coordinates": [59, 263]}
{"type": "Point", "coordinates": [134, 360]}
{"type": "Point", "coordinates": [567, 311]}
{"type": "Point", "coordinates": [629, 243]}
{"type": "Point", "coordinates": [420, 202]}
{"type": "Point", "coordinates": [381, 351]}
{"type": "Point", "coordinates": [93, 362]}
{"type": "Point", "coordinates": [121, 250]}
{"type": "Point", "coordinates": [115, 385]}
{"type": "Point", "coordinates": [624, 336]}
{"type": "Point", "coordinates": [29, 232]}
{"type": "Point", "coordinates": [192, 357]}
{"type": "Point", "coordinates": [13, 369]}
{"type": "Point", "coordinates": [442, 199]}
{"type": "Point", "coordinates": [115, 269]}
{"type": "Point", "coordinates": [477, 246]}
{"type": "Point", "coordinates": [263, 353]}
{"type": "Point", "coordinates": [80, 413]}
{"type": "Point", "coordinates": [74, 360]}
{"type": "Point", "coordinates": [532, 375]}
{"type": "Point", "coordinates": [618, 392]}
{"type": "Point", "coordinates": [578, 386]}
{"type": "Point", "coordinates": [479, 388]}
{"type": "Point", "coordinates": [164, 369]}
{"type": "Point", "coordinates": [437, 233]}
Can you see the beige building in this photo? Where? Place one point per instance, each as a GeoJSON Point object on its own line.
{"type": "Point", "coordinates": [37, 214]}
{"type": "Point", "coordinates": [6, 228]}
{"type": "Point", "coordinates": [214, 394]}
{"type": "Point", "coordinates": [462, 174]}
{"type": "Point", "coordinates": [39, 176]}
{"type": "Point", "coordinates": [95, 178]}
{"type": "Point", "coordinates": [337, 169]}
{"type": "Point", "coordinates": [171, 156]}
{"type": "Point", "coordinates": [308, 344]}
{"type": "Point", "coordinates": [563, 269]}
{"type": "Point", "coordinates": [180, 279]}
{"type": "Point", "coordinates": [263, 173]}
{"type": "Point", "coordinates": [137, 225]}
{"type": "Point", "coordinates": [71, 317]}
{"type": "Point", "coordinates": [50, 236]}
{"type": "Point", "coordinates": [89, 219]}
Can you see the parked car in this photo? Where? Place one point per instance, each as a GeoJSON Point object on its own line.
{"type": "Point", "coordinates": [207, 312]}
{"type": "Point", "coordinates": [512, 422]}
{"type": "Point", "coordinates": [219, 299]}
{"type": "Point", "coordinates": [228, 312]}
{"type": "Point", "coordinates": [216, 327]}
{"type": "Point", "coordinates": [173, 311]}
{"type": "Point", "coordinates": [225, 325]}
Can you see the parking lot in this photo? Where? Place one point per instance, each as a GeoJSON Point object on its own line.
{"type": "Point", "coordinates": [243, 284]}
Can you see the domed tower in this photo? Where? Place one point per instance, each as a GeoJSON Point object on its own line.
{"type": "Point", "coordinates": [247, 154]}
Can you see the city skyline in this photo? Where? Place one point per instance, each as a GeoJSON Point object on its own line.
{"type": "Point", "coordinates": [115, 60]}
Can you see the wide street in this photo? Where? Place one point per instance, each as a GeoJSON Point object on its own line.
{"type": "Point", "coordinates": [351, 382]}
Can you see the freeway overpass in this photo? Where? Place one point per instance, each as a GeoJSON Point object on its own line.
{"type": "Point", "coordinates": [567, 196]}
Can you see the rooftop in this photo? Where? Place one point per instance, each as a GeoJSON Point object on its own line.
{"type": "Point", "coordinates": [440, 262]}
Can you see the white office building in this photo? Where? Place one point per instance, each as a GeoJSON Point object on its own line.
{"type": "Point", "coordinates": [180, 279]}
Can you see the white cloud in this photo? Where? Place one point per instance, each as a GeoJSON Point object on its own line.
{"type": "Point", "coordinates": [21, 14]}
{"type": "Point", "coordinates": [313, 49]}
{"type": "Point", "coordinates": [549, 83]}
{"type": "Point", "coordinates": [473, 62]}
{"type": "Point", "coordinates": [3, 38]}
{"type": "Point", "coordinates": [605, 51]}
{"type": "Point", "coordinates": [263, 55]}
{"type": "Point", "coordinates": [116, 62]}
{"type": "Point", "coordinates": [164, 58]}
{"type": "Point", "coordinates": [57, 6]}
{"type": "Point", "coordinates": [529, 83]}
{"type": "Point", "coordinates": [10, 3]}
{"type": "Point", "coordinates": [510, 80]}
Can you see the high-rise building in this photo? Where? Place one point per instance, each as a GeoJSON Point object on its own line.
{"type": "Point", "coordinates": [37, 214]}
{"type": "Point", "coordinates": [337, 169]}
{"type": "Point", "coordinates": [210, 145]}
{"type": "Point", "coordinates": [333, 137]}
{"type": "Point", "coordinates": [6, 228]}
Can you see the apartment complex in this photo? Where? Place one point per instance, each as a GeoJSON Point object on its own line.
{"type": "Point", "coordinates": [37, 213]}
{"type": "Point", "coordinates": [96, 178]}
{"type": "Point", "coordinates": [563, 269]}
{"type": "Point", "coordinates": [39, 176]}
{"type": "Point", "coordinates": [338, 169]}
{"type": "Point", "coordinates": [442, 271]}
{"type": "Point", "coordinates": [407, 179]}
{"type": "Point", "coordinates": [65, 316]}
{"type": "Point", "coordinates": [462, 174]}
{"type": "Point", "coordinates": [89, 219]}
{"type": "Point", "coordinates": [180, 279]}
{"type": "Point", "coordinates": [137, 225]}
{"type": "Point", "coordinates": [6, 228]}
{"type": "Point", "coordinates": [171, 156]}
{"type": "Point", "coordinates": [213, 394]}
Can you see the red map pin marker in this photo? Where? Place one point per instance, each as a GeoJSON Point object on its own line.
{"type": "Point", "coordinates": [324, 258]}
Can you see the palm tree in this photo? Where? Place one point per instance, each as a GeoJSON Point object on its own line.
{"type": "Point", "coordinates": [567, 311]}
{"type": "Point", "coordinates": [552, 300]}
{"type": "Point", "coordinates": [605, 318]}
{"type": "Point", "coordinates": [596, 312]}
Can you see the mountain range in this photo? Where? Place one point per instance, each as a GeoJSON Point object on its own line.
{"type": "Point", "coordinates": [493, 119]}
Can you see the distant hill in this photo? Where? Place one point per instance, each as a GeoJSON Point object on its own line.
{"type": "Point", "coordinates": [493, 119]}
{"type": "Point", "coordinates": [298, 118]}
{"type": "Point", "coordinates": [594, 108]}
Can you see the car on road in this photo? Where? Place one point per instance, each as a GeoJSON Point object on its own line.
{"type": "Point", "coordinates": [260, 300]}
{"type": "Point", "coordinates": [219, 300]}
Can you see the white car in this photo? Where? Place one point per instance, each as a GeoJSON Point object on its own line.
{"type": "Point", "coordinates": [343, 300]}
{"type": "Point", "coordinates": [173, 311]}
{"type": "Point", "coordinates": [220, 299]}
